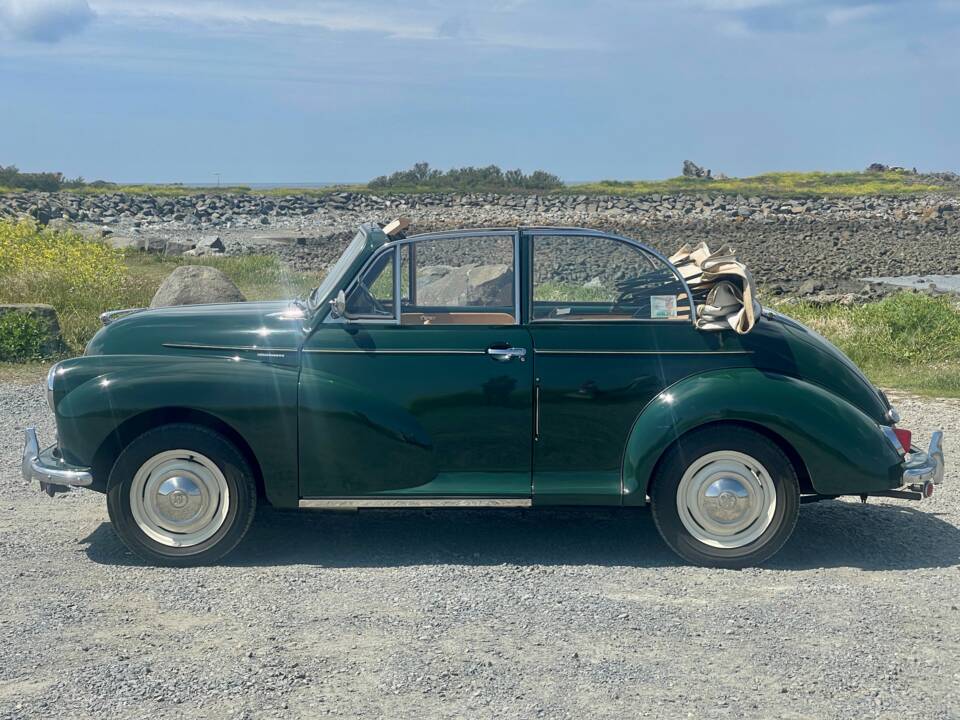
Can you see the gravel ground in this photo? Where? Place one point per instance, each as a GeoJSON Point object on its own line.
{"type": "Point", "coordinates": [464, 613]}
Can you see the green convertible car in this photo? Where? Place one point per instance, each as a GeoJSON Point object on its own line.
{"type": "Point", "coordinates": [526, 366]}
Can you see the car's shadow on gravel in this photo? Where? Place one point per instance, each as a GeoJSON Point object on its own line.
{"type": "Point", "coordinates": [829, 534]}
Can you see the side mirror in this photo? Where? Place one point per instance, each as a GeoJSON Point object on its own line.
{"type": "Point", "coordinates": [338, 306]}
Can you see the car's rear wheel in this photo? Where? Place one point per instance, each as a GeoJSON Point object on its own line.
{"type": "Point", "coordinates": [181, 494]}
{"type": "Point", "coordinates": [725, 496]}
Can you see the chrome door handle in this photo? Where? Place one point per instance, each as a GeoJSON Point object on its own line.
{"type": "Point", "coordinates": [507, 354]}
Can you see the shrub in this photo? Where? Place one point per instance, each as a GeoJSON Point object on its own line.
{"type": "Point", "coordinates": [78, 277]}
{"type": "Point", "coordinates": [468, 179]}
{"type": "Point", "coordinates": [21, 337]}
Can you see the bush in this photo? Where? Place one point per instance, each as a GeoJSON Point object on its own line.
{"type": "Point", "coordinates": [21, 337]}
{"type": "Point", "coordinates": [421, 177]}
{"type": "Point", "coordinates": [78, 277]}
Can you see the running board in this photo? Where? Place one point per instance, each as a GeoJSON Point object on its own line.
{"type": "Point", "coordinates": [357, 503]}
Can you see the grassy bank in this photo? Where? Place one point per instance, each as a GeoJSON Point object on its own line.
{"type": "Point", "coordinates": [784, 184]}
{"type": "Point", "coordinates": [777, 184]}
{"type": "Point", "coordinates": [774, 184]}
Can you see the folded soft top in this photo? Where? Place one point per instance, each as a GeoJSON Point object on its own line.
{"type": "Point", "coordinates": [722, 287]}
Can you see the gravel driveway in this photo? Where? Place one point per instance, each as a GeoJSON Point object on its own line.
{"type": "Point", "coordinates": [466, 613]}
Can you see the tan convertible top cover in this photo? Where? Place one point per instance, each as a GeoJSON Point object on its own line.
{"type": "Point", "coordinates": [722, 287]}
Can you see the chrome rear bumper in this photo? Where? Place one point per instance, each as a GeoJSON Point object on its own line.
{"type": "Point", "coordinates": [925, 467]}
{"type": "Point", "coordinates": [47, 467]}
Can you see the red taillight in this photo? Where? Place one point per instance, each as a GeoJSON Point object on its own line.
{"type": "Point", "coordinates": [904, 436]}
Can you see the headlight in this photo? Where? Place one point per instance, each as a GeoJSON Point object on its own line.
{"type": "Point", "coordinates": [51, 376]}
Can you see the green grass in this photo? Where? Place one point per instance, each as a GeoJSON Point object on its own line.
{"type": "Point", "coordinates": [554, 291]}
{"type": "Point", "coordinates": [493, 180]}
{"type": "Point", "coordinates": [259, 277]}
{"type": "Point", "coordinates": [776, 184]}
{"type": "Point", "coordinates": [783, 184]}
{"type": "Point", "coordinates": [909, 341]}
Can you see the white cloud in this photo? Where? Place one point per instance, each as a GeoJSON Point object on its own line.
{"type": "Point", "coordinates": [733, 5]}
{"type": "Point", "coordinates": [44, 20]}
{"type": "Point", "coordinates": [423, 21]}
{"type": "Point", "coordinates": [329, 16]}
{"type": "Point", "coordinates": [842, 16]}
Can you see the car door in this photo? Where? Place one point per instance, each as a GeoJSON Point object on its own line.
{"type": "Point", "coordinates": [611, 328]}
{"type": "Point", "coordinates": [424, 386]}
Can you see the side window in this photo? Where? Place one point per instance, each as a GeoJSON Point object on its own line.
{"type": "Point", "coordinates": [459, 281]}
{"type": "Point", "coordinates": [372, 295]}
{"type": "Point", "coordinates": [584, 278]}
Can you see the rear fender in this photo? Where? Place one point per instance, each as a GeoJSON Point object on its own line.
{"type": "Point", "coordinates": [844, 451]}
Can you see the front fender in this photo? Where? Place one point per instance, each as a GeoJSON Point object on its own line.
{"type": "Point", "coordinates": [96, 395]}
{"type": "Point", "coordinates": [844, 451]}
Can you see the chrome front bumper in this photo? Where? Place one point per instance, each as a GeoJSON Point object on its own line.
{"type": "Point", "coordinates": [53, 473]}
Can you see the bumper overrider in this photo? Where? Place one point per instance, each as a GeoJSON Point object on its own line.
{"type": "Point", "coordinates": [923, 470]}
{"type": "Point", "coordinates": [52, 471]}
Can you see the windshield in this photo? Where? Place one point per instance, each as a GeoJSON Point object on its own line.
{"type": "Point", "coordinates": [333, 274]}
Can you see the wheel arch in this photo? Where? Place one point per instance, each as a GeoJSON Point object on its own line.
{"type": "Point", "coordinates": [799, 466]}
{"type": "Point", "coordinates": [133, 427]}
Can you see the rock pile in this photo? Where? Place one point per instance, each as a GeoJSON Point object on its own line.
{"type": "Point", "coordinates": [143, 212]}
{"type": "Point", "coordinates": [789, 243]}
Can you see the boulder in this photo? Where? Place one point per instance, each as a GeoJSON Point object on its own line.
{"type": "Point", "coordinates": [810, 287]}
{"type": "Point", "coordinates": [210, 243]}
{"type": "Point", "coordinates": [125, 242]}
{"type": "Point", "coordinates": [16, 346]}
{"type": "Point", "coordinates": [196, 285]}
{"type": "Point", "coordinates": [691, 169]}
{"type": "Point", "coordinates": [175, 246]}
{"type": "Point", "coordinates": [490, 285]}
{"type": "Point", "coordinates": [61, 224]}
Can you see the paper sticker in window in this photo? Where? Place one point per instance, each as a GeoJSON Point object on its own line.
{"type": "Point", "coordinates": [663, 306]}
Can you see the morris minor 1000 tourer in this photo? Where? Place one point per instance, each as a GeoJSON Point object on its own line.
{"type": "Point", "coordinates": [529, 366]}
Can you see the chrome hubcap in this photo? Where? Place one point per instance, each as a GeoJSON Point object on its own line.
{"type": "Point", "coordinates": [179, 498]}
{"type": "Point", "coordinates": [726, 499]}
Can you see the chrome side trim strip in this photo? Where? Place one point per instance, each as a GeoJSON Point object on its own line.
{"type": "Point", "coordinates": [643, 352]}
{"type": "Point", "coordinates": [351, 503]}
{"type": "Point", "coordinates": [231, 348]}
{"type": "Point", "coordinates": [351, 351]}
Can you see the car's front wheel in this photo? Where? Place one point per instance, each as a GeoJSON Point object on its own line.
{"type": "Point", "coordinates": [725, 496]}
{"type": "Point", "coordinates": [181, 494]}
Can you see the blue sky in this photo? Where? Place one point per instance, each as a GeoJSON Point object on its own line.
{"type": "Point", "coordinates": [297, 91]}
